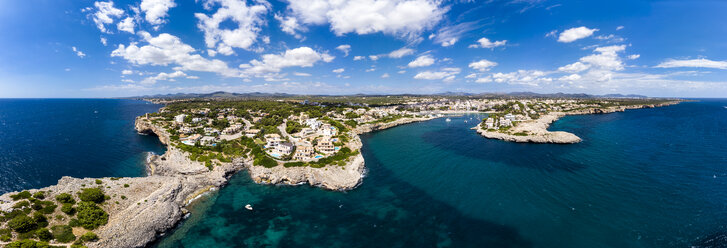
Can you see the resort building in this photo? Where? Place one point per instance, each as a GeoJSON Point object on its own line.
{"type": "Point", "coordinates": [304, 152]}
{"type": "Point", "coordinates": [272, 140]}
{"type": "Point", "coordinates": [325, 145]}
{"type": "Point", "coordinates": [284, 148]}
{"type": "Point", "coordinates": [180, 118]}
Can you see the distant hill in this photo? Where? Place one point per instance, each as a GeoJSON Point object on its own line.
{"type": "Point", "coordinates": [259, 95]}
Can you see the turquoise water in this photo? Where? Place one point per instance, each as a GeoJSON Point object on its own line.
{"type": "Point", "coordinates": [42, 140]}
{"type": "Point", "coordinates": [642, 178]}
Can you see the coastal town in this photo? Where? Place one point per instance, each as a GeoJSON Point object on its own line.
{"type": "Point", "coordinates": [280, 141]}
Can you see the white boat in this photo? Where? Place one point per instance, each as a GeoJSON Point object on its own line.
{"type": "Point", "coordinates": [248, 207]}
{"type": "Point", "coordinates": [448, 120]}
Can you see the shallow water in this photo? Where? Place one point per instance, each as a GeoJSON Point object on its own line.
{"type": "Point", "coordinates": [642, 178]}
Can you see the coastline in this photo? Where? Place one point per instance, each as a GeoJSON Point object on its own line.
{"type": "Point", "coordinates": [536, 131]}
{"type": "Point", "coordinates": [142, 209]}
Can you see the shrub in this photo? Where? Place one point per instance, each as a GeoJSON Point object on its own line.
{"type": "Point", "coordinates": [22, 195]}
{"type": "Point", "coordinates": [21, 204]}
{"type": "Point", "coordinates": [65, 198]}
{"type": "Point", "coordinates": [126, 185]}
{"type": "Point", "coordinates": [74, 222]}
{"type": "Point", "coordinates": [90, 216]}
{"type": "Point", "coordinates": [43, 234]}
{"type": "Point", "coordinates": [39, 195]}
{"type": "Point", "coordinates": [91, 195]}
{"type": "Point", "coordinates": [5, 238]}
{"type": "Point", "coordinates": [89, 237]}
{"type": "Point", "coordinates": [266, 162]}
{"type": "Point", "coordinates": [22, 223]}
{"type": "Point", "coordinates": [98, 181]}
{"type": "Point", "coordinates": [68, 209]}
{"type": "Point", "coordinates": [123, 197]}
{"type": "Point", "coordinates": [49, 209]}
{"type": "Point", "coordinates": [40, 219]}
{"type": "Point", "coordinates": [63, 234]}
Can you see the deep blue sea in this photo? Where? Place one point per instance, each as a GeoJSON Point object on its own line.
{"type": "Point", "coordinates": [42, 140]}
{"type": "Point", "coordinates": [641, 178]}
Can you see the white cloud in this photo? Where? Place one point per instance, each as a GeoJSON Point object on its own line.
{"type": "Point", "coordinates": [397, 17]}
{"type": "Point", "coordinates": [446, 74]}
{"type": "Point", "coordinates": [575, 67]}
{"type": "Point", "coordinates": [606, 58]}
{"type": "Point", "coordinates": [166, 49]}
{"type": "Point", "coordinates": [156, 10]}
{"type": "Point", "coordinates": [371, 69]}
{"type": "Point", "coordinates": [401, 52]}
{"type": "Point", "coordinates": [105, 14]}
{"type": "Point", "coordinates": [422, 61]}
{"type": "Point", "coordinates": [619, 27]}
{"type": "Point", "coordinates": [358, 58]}
{"type": "Point", "coordinates": [163, 76]}
{"type": "Point", "coordinates": [386, 75]}
{"type": "Point", "coordinates": [471, 75]}
{"type": "Point", "coordinates": [634, 56]}
{"type": "Point", "coordinates": [249, 20]}
{"type": "Point", "coordinates": [571, 77]}
{"type": "Point", "coordinates": [401, 72]}
{"type": "Point", "coordinates": [339, 70]}
{"type": "Point", "coordinates": [78, 52]}
{"type": "Point", "coordinates": [448, 36]}
{"type": "Point", "coordinates": [192, 77]}
{"type": "Point", "coordinates": [574, 34]}
{"type": "Point", "coordinates": [302, 74]}
{"type": "Point", "coordinates": [273, 63]}
{"type": "Point", "coordinates": [127, 72]}
{"type": "Point", "coordinates": [699, 63]}
{"type": "Point", "coordinates": [374, 57]}
{"type": "Point", "coordinates": [345, 48]}
{"type": "Point", "coordinates": [127, 25]}
{"type": "Point", "coordinates": [486, 43]}
{"type": "Point", "coordinates": [290, 25]}
{"type": "Point", "coordinates": [526, 77]}
{"type": "Point", "coordinates": [103, 41]}
{"type": "Point", "coordinates": [482, 65]}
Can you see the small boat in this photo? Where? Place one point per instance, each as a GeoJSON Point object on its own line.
{"type": "Point", "coordinates": [248, 207]}
{"type": "Point", "coordinates": [448, 120]}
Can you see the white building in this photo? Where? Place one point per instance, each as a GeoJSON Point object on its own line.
{"type": "Point", "coordinates": [180, 118]}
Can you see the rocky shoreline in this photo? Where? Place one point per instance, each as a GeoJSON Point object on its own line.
{"type": "Point", "coordinates": [536, 131]}
{"type": "Point", "coordinates": [141, 209]}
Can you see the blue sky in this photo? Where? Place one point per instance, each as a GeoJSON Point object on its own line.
{"type": "Point", "coordinates": [53, 48]}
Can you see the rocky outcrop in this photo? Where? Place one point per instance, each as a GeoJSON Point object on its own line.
{"type": "Point", "coordinates": [536, 131]}
{"type": "Point", "coordinates": [338, 178]}
{"type": "Point", "coordinates": [144, 125]}
{"type": "Point", "coordinates": [371, 127]}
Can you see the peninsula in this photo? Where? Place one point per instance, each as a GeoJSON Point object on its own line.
{"type": "Point", "coordinates": [289, 140]}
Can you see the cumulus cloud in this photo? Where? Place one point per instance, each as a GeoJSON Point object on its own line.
{"type": "Point", "coordinates": [103, 41]}
{"type": "Point", "coordinates": [634, 56]}
{"type": "Point", "coordinates": [526, 77]}
{"type": "Point", "coordinates": [358, 58]}
{"type": "Point", "coordinates": [249, 20]}
{"type": "Point", "coordinates": [78, 52]}
{"type": "Point", "coordinates": [156, 10]}
{"type": "Point", "coordinates": [395, 17]}
{"type": "Point", "coordinates": [339, 70]}
{"type": "Point", "coordinates": [127, 72]}
{"type": "Point", "coordinates": [422, 61]}
{"type": "Point", "coordinates": [127, 25]}
{"type": "Point", "coordinates": [290, 25]}
{"type": "Point", "coordinates": [386, 75]}
{"type": "Point", "coordinates": [482, 65]}
{"type": "Point", "coordinates": [302, 74]}
{"type": "Point", "coordinates": [273, 63]}
{"type": "Point", "coordinates": [486, 43]}
{"type": "Point", "coordinates": [105, 14]}
{"type": "Point", "coordinates": [163, 76]}
{"type": "Point", "coordinates": [374, 57]}
{"type": "Point", "coordinates": [166, 49]}
{"type": "Point", "coordinates": [605, 58]}
{"type": "Point", "coordinates": [345, 48]}
{"type": "Point", "coordinates": [446, 74]}
{"type": "Point", "coordinates": [574, 68]}
{"type": "Point", "coordinates": [698, 63]}
{"type": "Point", "coordinates": [573, 34]}
{"type": "Point", "coordinates": [401, 52]}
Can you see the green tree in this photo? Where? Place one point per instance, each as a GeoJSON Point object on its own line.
{"type": "Point", "coordinates": [92, 195]}
{"type": "Point", "coordinates": [90, 216]}
{"type": "Point", "coordinates": [22, 224]}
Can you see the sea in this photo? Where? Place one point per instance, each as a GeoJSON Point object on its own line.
{"type": "Point", "coordinates": [641, 178]}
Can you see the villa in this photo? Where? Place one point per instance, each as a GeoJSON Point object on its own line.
{"type": "Point", "coordinates": [272, 140]}
{"type": "Point", "coordinates": [325, 145]}
{"type": "Point", "coordinates": [284, 148]}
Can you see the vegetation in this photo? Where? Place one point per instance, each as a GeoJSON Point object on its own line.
{"type": "Point", "coordinates": [22, 195]}
{"type": "Point", "coordinates": [63, 233]}
{"type": "Point", "coordinates": [22, 224]}
{"type": "Point", "coordinates": [88, 237]}
{"type": "Point", "coordinates": [68, 209]}
{"type": "Point", "coordinates": [92, 195]}
{"type": "Point", "coordinates": [65, 198]}
{"type": "Point", "coordinates": [90, 216]}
